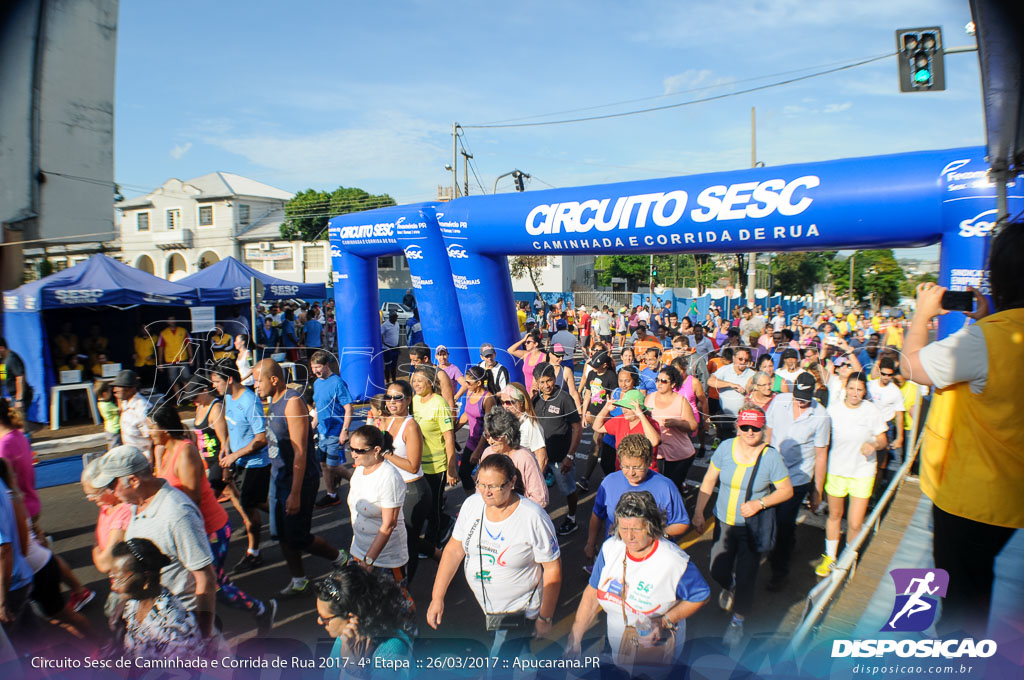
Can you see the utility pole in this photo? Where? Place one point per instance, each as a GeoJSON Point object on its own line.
{"type": "Point", "coordinates": [465, 170]}
{"type": "Point", "coordinates": [752, 257]}
{"type": "Point", "coordinates": [455, 160]}
{"type": "Point", "coordinates": [852, 255]}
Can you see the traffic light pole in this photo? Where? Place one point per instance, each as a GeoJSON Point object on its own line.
{"type": "Point", "coordinates": [752, 257]}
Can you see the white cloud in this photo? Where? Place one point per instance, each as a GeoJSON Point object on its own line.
{"type": "Point", "coordinates": [392, 150]}
{"type": "Point", "coordinates": [838, 108]}
{"type": "Point", "coordinates": [693, 79]}
{"type": "Point", "coordinates": [180, 150]}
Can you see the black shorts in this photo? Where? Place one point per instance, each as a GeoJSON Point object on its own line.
{"type": "Point", "coordinates": [558, 446]}
{"type": "Point", "coordinates": [253, 485]}
{"type": "Point", "coordinates": [606, 338]}
{"type": "Point", "coordinates": [46, 589]}
{"type": "Point", "coordinates": [295, 531]}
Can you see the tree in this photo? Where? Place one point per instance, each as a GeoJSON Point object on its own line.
{"type": "Point", "coordinates": [876, 273]}
{"type": "Point", "coordinates": [308, 212]}
{"type": "Point", "coordinates": [797, 273]}
{"type": "Point", "coordinates": [635, 268]}
{"type": "Point", "coordinates": [908, 287]}
{"type": "Point", "coordinates": [527, 265]}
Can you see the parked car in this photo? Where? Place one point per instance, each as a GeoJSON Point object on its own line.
{"type": "Point", "coordinates": [404, 313]}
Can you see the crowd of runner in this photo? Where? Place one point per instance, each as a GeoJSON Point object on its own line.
{"type": "Point", "coordinates": [807, 410]}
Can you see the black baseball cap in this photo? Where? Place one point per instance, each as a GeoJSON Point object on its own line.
{"type": "Point", "coordinates": [803, 387]}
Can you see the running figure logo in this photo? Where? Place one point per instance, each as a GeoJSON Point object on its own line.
{"type": "Point", "coordinates": [917, 593]}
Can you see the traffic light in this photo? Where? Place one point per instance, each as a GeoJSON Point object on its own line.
{"type": "Point", "coordinates": [921, 59]}
{"type": "Point", "coordinates": [517, 178]}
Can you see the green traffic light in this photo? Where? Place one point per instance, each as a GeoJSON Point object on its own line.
{"type": "Point", "coordinates": [922, 76]}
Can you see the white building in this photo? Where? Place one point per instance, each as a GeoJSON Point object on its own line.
{"type": "Point", "coordinates": [185, 226]}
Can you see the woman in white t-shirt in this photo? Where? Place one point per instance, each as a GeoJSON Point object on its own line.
{"type": "Point", "coordinates": [531, 435]}
{"type": "Point", "coordinates": [858, 433]}
{"type": "Point", "coordinates": [376, 495]}
{"type": "Point", "coordinates": [511, 558]}
{"type": "Point", "coordinates": [244, 361]}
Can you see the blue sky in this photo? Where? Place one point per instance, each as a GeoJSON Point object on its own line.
{"type": "Point", "coordinates": [322, 94]}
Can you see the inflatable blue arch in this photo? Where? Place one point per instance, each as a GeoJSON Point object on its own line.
{"type": "Point", "coordinates": [457, 250]}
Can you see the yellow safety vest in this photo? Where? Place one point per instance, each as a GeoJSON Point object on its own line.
{"type": "Point", "coordinates": [972, 461]}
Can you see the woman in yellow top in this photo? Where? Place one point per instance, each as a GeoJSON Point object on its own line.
{"type": "Point", "coordinates": [144, 355]}
{"type": "Point", "coordinates": [434, 417]}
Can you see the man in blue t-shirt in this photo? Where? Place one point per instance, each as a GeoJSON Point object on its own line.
{"type": "Point", "coordinates": [248, 458]}
{"type": "Point", "coordinates": [649, 373]}
{"type": "Point", "coordinates": [635, 457]}
{"type": "Point", "coordinates": [332, 416]}
{"type": "Point", "coordinates": [313, 331]}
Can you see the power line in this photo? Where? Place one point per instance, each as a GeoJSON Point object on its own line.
{"type": "Point", "coordinates": [669, 94]}
{"type": "Point", "coordinates": [687, 103]}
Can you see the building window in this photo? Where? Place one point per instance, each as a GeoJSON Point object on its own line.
{"type": "Point", "coordinates": [386, 262]}
{"type": "Point", "coordinates": [142, 221]}
{"type": "Point", "coordinates": [315, 258]}
{"type": "Point", "coordinates": [243, 214]}
{"type": "Point", "coordinates": [173, 219]}
{"type": "Point", "coordinates": [286, 263]}
{"type": "Point", "coordinates": [206, 216]}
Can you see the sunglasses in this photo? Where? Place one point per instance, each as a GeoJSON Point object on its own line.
{"type": "Point", "coordinates": [508, 402]}
{"type": "Point", "coordinates": [887, 375]}
{"type": "Point", "coordinates": [749, 428]}
{"type": "Point", "coordinates": [394, 397]}
{"type": "Point", "coordinates": [361, 452]}
{"type": "Point", "coordinates": [323, 622]}
{"type": "Point", "coordinates": [663, 381]}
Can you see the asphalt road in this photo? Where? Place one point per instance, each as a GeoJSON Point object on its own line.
{"type": "Point", "coordinates": [70, 520]}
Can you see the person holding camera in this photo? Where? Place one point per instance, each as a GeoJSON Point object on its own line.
{"type": "Point", "coordinates": [523, 585]}
{"type": "Point", "coordinates": [972, 463]}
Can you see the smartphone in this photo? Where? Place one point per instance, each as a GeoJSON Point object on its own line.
{"type": "Point", "coordinates": [958, 301]}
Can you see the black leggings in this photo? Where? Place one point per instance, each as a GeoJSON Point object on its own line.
{"type": "Point", "coordinates": [676, 470]}
{"type": "Point", "coordinates": [418, 504]}
{"type": "Point", "coordinates": [466, 470]}
{"type": "Point", "coordinates": [437, 520]}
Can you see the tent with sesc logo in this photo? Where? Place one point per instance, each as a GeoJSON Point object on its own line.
{"type": "Point", "coordinates": [227, 283]}
{"type": "Point", "coordinates": [92, 291]}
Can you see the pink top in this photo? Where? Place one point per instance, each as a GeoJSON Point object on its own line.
{"type": "Point", "coordinates": [112, 517]}
{"type": "Point", "coordinates": [528, 366]}
{"type": "Point", "coordinates": [15, 449]}
{"type": "Point", "coordinates": [686, 389]}
{"type": "Point", "coordinates": [214, 516]}
{"type": "Point", "coordinates": [675, 444]}
{"type": "Point", "coordinates": [533, 479]}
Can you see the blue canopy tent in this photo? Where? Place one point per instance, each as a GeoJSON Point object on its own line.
{"type": "Point", "coordinates": [99, 281]}
{"type": "Point", "coordinates": [227, 283]}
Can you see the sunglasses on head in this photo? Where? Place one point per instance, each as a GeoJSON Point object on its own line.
{"type": "Point", "coordinates": [749, 428]}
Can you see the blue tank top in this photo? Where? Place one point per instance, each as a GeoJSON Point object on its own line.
{"type": "Point", "coordinates": [279, 443]}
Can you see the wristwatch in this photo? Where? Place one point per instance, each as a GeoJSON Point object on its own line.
{"type": "Point", "coordinates": [545, 619]}
{"type": "Point", "coordinates": [763, 506]}
{"type": "Point", "coordinates": [368, 561]}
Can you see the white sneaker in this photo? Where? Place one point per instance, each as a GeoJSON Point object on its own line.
{"type": "Point", "coordinates": [733, 634]}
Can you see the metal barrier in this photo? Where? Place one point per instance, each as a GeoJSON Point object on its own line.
{"type": "Point", "coordinates": [820, 598]}
{"type": "Point", "coordinates": [614, 300]}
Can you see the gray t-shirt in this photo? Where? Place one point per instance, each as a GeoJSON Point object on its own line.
{"type": "Point", "coordinates": [173, 523]}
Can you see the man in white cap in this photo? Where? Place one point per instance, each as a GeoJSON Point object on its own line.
{"type": "Point", "coordinates": [169, 519]}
